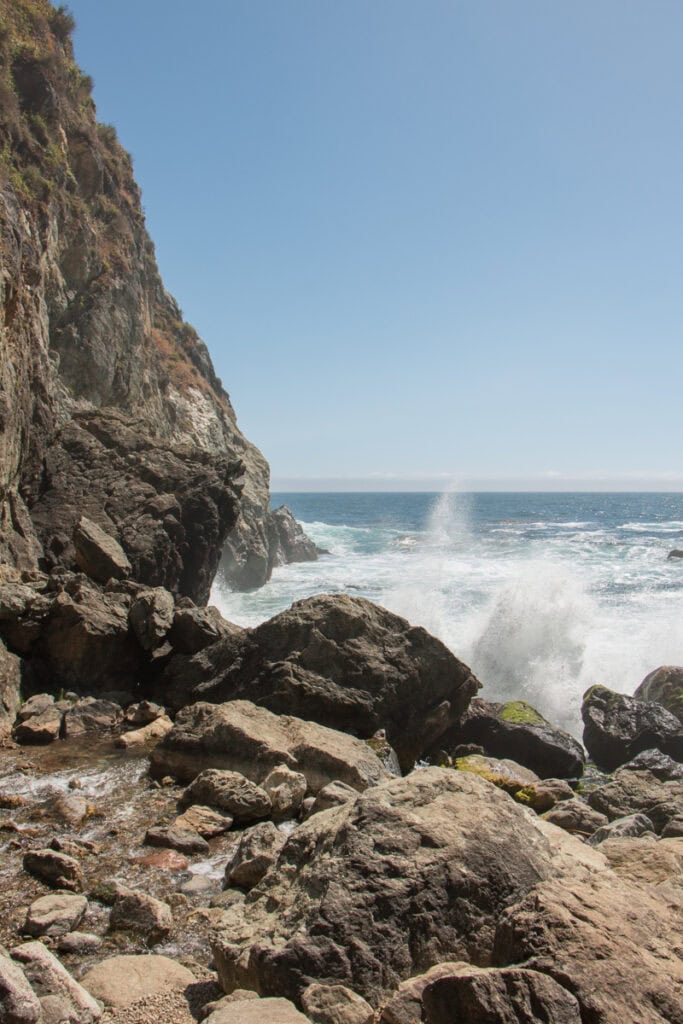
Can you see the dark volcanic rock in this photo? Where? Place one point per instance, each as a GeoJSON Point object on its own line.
{"type": "Point", "coordinates": [517, 731]}
{"type": "Point", "coordinates": [617, 727]}
{"type": "Point", "coordinates": [344, 662]}
{"type": "Point", "coordinates": [665, 686]}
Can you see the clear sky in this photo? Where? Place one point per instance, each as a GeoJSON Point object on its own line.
{"type": "Point", "coordinates": [424, 240]}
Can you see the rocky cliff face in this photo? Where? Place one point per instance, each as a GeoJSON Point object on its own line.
{"type": "Point", "coordinates": [109, 403]}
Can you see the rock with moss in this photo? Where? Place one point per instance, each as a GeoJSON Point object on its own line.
{"type": "Point", "coordinates": [665, 686]}
{"type": "Point", "coordinates": [501, 772]}
{"type": "Point", "coordinates": [516, 730]}
{"type": "Point", "coordinates": [541, 796]}
{"type": "Point", "coordinates": [618, 727]}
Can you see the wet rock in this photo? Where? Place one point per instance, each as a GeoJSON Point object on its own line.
{"type": "Point", "coordinates": [576, 816]}
{"type": "Point", "coordinates": [205, 821]}
{"type": "Point", "coordinates": [82, 943]}
{"type": "Point", "coordinates": [72, 808]}
{"type": "Point", "coordinates": [617, 727]}
{"type": "Point", "coordinates": [516, 731]}
{"type": "Point", "coordinates": [335, 1004]}
{"type": "Point", "coordinates": [348, 664]}
{"type": "Point", "coordinates": [98, 554]}
{"type": "Point", "coordinates": [41, 728]}
{"type": "Point", "coordinates": [151, 617]}
{"type": "Point", "coordinates": [194, 629]}
{"type": "Point", "coordinates": [91, 716]}
{"type": "Point", "coordinates": [512, 995]}
{"type": "Point", "coordinates": [10, 689]}
{"type": "Point", "coordinates": [165, 860]}
{"type": "Point", "coordinates": [665, 687]}
{"type": "Point", "coordinates": [229, 791]}
{"type": "Point", "coordinates": [184, 840]}
{"type": "Point", "coordinates": [406, 875]}
{"type": "Point", "coordinates": [629, 792]}
{"type": "Point", "coordinates": [611, 943]}
{"type": "Point", "coordinates": [18, 1002]}
{"type": "Point", "coordinates": [289, 542]}
{"type": "Point", "coordinates": [142, 713]}
{"type": "Point", "coordinates": [631, 826]}
{"type": "Point", "coordinates": [55, 914]}
{"type": "Point", "coordinates": [506, 775]}
{"type": "Point", "coordinates": [258, 1011]}
{"type": "Point", "coordinates": [198, 885]}
{"type": "Point", "coordinates": [49, 978]}
{"type": "Point", "coordinates": [155, 730]}
{"type": "Point", "coordinates": [674, 554]}
{"type": "Point", "coordinates": [137, 912]}
{"type": "Point", "coordinates": [55, 869]}
{"type": "Point", "coordinates": [122, 980]}
{"type": "Point", "coordinates": [242, 737]}
{"type": "Point", "coordinates": [542, 796]}
{"type": "Point", "coordinates": [73, 846]}
{"type": "Point", "coordinates": [256, 852]}
{"type": "Point", "coordinates": [286, 790]}
{"type": "Point", "coordinates": [334, 794]}
{"type": "Point", "coordinates": [658, 764]}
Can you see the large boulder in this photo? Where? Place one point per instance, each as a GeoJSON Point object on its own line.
{"type": "Point", "coordinates": [511, 995]}
{"type": "Point", "coordinates": [49, 978]}
{"type": "Point", "coordinates": [231, 792]}
{"type": "Point", "coordinates": [665, 687]}
{"type": "Point", "coordinates": [98, 554]}
{"type": "Point", "coordinates": [518, 732]}
{"type": "Point", "coordinates": [346, 663]}
{"type": "Point", "coordinates": [631, 792]}
{"type": "Point", "coordinates": [404, 876]}
{"type": "Point", "coordinates": [122, 980]}
{"type": "Point", "coordinates": [617, 727]}
{"type": "Point", "coordinates": [248, 739]}
{"type": "Point", "coordinates": [18, 1002]}
{"type": "Point", "coordinates": [10, 689]}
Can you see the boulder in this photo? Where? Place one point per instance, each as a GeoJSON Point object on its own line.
{"type": "Point", "coordinates": [241, 737]}
{"type": "Point", "coordinates": [137, 912]}
{"type": "Point", "coordinates": [646, 860]}
{"type": "Point", "coordinates": [48, 977]}
{"type": "Point", "coordinates": [617, 727]}
{"type": "Point", "coordinates": [55, 869]}
{"type": "Point", "coordinates": [151, 617]}
{"type": "Point", "coordinates": [55, 914]}
{"type": "Point", "coordinates": [257, 1011]}
{"type": "Point", "coordinates": [40, 728]}
{"type": "Point", "coordinates": [91, 715]}
{"type": "Point", "coordinates": [517, 732]}
{"type": "Point", "coordinates": [79, 943]}
{"type": "Point", "coordinates": [629, 792]}
{"type": "Point", "coordinates": [10, 689]}
{"type": "Point", "coordinates": [194, 628]}
{"type": "Point", "coordinates": [143, 713]}
{"type": "Point", "coordinates": [255, 853]}
{"type": "Point", "coordinates": [97, 553]}
{"type": "Point", "coordinates": [184, 840]}
{"type": "Point", "coordinates": [286, 790]}
{"type": "Point", "coordinates": [576, 815]}
{"type": "Point", "coordinates": [405, 1005]}
{"type": "Point", "coordinates": [231, 792]}
{"type": "Point", "coordinates": [543, 795]}
{"type": "Point", "coordinates": [614, 945]}
{"type": "Point", "coordinates": [632, 825]}
{"type": "Point", "coordinates": [334, 794]}
{"type": "Point", "coordinates": [204, 820]}
{"type": "Point", "coordinates": [335, 1004]}
{"type": "Point", "coordinates": [675, 554]}
{"type": "Point", "coordinates": [665, 687]}
{"type": "Point", "coordinates": [18, 1002]}
{"type": "Point", "coordinates": [658, 764]}
{"type": "Point", "coordinates": [346, 663]}
{"type": "Point", "coordinates": [410, 873]}
{"type": "Point", "coordinates": [507, 775]}
{"type": "Point", "coordinates": [155, 730]}
{"type": "Point", "coordinates": [510, 995]}
{"type": "Point", "coordinates": [289, 543]}
{"type": "Point", "coordinates": [122, 980]}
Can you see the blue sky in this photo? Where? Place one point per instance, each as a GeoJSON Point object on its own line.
{"type": "Point", "coordinates": [425, 242]}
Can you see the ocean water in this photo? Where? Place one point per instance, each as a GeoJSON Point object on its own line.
{"type": "Point", "coordinates": [543, 595]}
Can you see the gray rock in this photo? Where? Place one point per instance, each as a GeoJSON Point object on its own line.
{"type": "Point", "coordinates": [512, 995]}
{"type": "Point", "coordinates": [334, 794]}
{"type": "Point", "coordinates": [48, 977]}
{"type": "Point", "coordinates": [55, 869]}
{"type": "Point", "coordinates": [632, 826]}
{"type": "Point", "coordinates": [617, 728]}
{"type": "Point", "coordinates": [55, 914]}
{"type": "Point", "coordinates": [335, 1004]}
{"type": "Point", "coordinates": [229, 791]}
{"type": "Point", "coordinates": [151, 617]}
{"type": "Point", "coordinates": [18, 1002]}
{"type": "Point", "coordinates": [91, 715]}
{"type": "Point", "coordinates": [286, 790]}
{"type": "Point", "coordinates": [576, 816]}
{"type": "Point", "coordinates": [185, 840]}
{"type": "Point", "coordinates": [256, 852]}
{"type": "Point", "coordinates": [194, 629]}
{"type": "Point", "coordinates": [658, 764]}
{"type": "Point", "coordinates": [98, 554]}
{"type": "Point", "coordinates": [665, 687]}
{"type": "Point", "coordinates": [137, 912]}
{"type": "Point", "coordinates": [630, 792]}
{"type": "Point", "coordinates": [82, 943]}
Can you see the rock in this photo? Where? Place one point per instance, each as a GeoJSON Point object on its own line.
{"type": "Point", "coordinates": [256, 852]}
{"type": "Point", "coordinates": [155, 730]}
{"type": "Point", "coordinates": [632, 825]}
{"type": "Point", "coordinates": [43, 727]}
{"type": "Point", "coordinates": [98, 555]}
{"type": "Point", "coordinates": [138, 912]}
{"type": "Point", "coordinates": [542, 796]}
{"type": "Point", "coordinates": [673, 828]}
{"type": "Point", "coordinates": [645, 860]}
{"type": "Point", "coordinates": [289, 542]}
{"type": "Point", "coordinates": [576, 816]}
{"type": "Point", "coordinates": [165, 860]}
{"type": "Point", "coordinates": [665, 687]}
{"type": "Point", "coordinates": [184, 840]}
{"type": "Point", "coordinates": [238, 996]}
{"type": "Point", "coordinates": [348, 664]}
{"type": "Point", "coordinates": [91, 716]}
{"type": "Point", "coordinates": [10, 689]}
{"type": "Point", "coordinates": [660, 765]}
{"type": "Point", "coordinates": [49, 978]}
{"type": "Point", "coordinates": [507, 775]}
{"type": "Point", "coordinates": [409, 873]}
{"type": "Point", "coordinates": [197, 885]}
{"type": "Point", "coordinates": [55, 869]}
{"type": "Point", "coordinates": [55, 914]}
{"type": "Point", "coordinates": [629, 792]}
{"type": "Point", "coordinates": [616, 728]}
{"type": "Point", "coordinates": [18, 1002]}
{"type": "Point", "coordinates": [229, 791]}
{"type": "Point", "coordinates": [509, 996]}
{"type": "Point", "coordinates": [335, 1004]}
{"type": "Point", "coordinates": [82, 943]}
{"type": "Point", "coordinates": [286, 790]}
{"type": "Point", "coordinates": [676, 553]}
{"type": "Point", "coordinates": [143, 713]}
{"type": "Point", "coordinates": [612, 944]}
{"type": "Point", "coordinates": [334, 794]}
{"type": "Point", "coordinates": [194, 629]}
{"type": "Point", "coordinates": [257, 1011]}
{"type": "Point", "coordinates": [405, 1005]}
{"type": "Point", "coordinates": [204, 820]}
{"type": "Point", "coordinates": [516, 731]}
{"type": "Point", "coordinates": [151, 617]}
{"type": "Point", "coordinates": [122, 980]}
{"type": "Point", "coordinates": [239, 736]}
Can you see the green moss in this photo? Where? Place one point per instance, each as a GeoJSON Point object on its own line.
{"type": "Point", "coordinates": [481, 766]}
{"type": "Point", "coordinates": [520, 711]}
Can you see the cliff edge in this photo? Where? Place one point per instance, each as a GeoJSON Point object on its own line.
{"type": "Point", "coordinates": [109, 404]}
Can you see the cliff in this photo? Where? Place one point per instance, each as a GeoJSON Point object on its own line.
{"type": "Point", "coordinates": [109, 403]}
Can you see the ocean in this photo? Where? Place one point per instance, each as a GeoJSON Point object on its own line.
{"type": "Point", "coordinates": [543, 595]}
